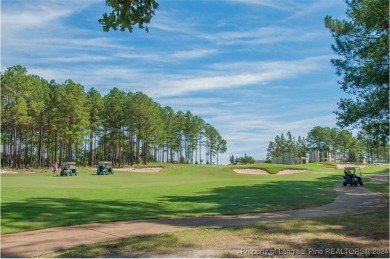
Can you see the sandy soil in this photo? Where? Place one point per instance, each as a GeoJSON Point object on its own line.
{"type": "Point", "coordinates": [251, 171]}
{"type": "Point", "coordinates": [153, 169]}
{"type": "Point", "coordinates": [263, 172]}
{"type": "Point", "coordinates": [25, 171]}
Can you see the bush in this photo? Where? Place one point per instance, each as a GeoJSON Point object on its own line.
{"type": "Point", "coordinates": [182, 160]}
{"type": "Point", "coordinates": [246, 160]}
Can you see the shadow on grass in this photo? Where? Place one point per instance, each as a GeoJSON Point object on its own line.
{"type": "Point", "coordinates": [46, 212]}
{"type": "Point", "coordinates": [39, 213]}
{"type": "Point", "coordinates": [272, 196]}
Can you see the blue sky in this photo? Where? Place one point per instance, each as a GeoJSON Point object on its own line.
{"type": "Point", "coordinates": [252, 68]}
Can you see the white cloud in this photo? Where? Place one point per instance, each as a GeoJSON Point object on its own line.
{"type": "Point", "coordinates": [283, 5]}
{"type": "Point", "coordinates": [297, 8]}
{"type": "Point", "coordinates": [171, 22]}
{"type": "Point", "coordinates": [156, 83]}
{"type": "Point", "coordinates": [193, 54]}
{"type": "Point", "coordinates": [76, 59]}
{"type": "Point", "coordinates": [263, 35]}
{"type": "Point", "coordinates": [230, 75]}
{"type": "Point", "coordinates": [19, 16]}
{"type": "Point", "coordinates": [195, 102]}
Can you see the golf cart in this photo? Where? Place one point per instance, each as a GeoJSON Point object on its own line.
{"type": "Point", "coordinates": [104, 168]}
{"type": "Point", "coordinates": [351, 178]}
{"type": "Point", "coordinates": [68, 169]}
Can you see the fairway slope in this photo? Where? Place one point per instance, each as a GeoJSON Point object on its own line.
{"type": "Point", "coordinates": [151, 169]}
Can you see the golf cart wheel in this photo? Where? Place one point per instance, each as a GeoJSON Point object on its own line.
{"type": "Point", "coordinates": [344, 184]}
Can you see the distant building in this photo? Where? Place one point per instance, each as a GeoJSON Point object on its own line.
{"type": "Point", "coordinates": [313, 155]}
{"type": "Point", "coordinates": [289, 159]}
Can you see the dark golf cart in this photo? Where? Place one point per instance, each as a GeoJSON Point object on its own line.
{"type": "Point", "coordinates": [351, 178]}
{"type": "Point", "coordinates": [68, 169]}
{"type": "Point", "coordinates": [104, 168]}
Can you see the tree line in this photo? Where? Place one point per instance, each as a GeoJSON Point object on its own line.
{"type": "Point", "coordinates": [45, 122]}
{"type": "Point", "coordinates": [340, 144]}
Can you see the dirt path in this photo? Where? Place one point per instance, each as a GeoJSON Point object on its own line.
{"type": "Point", "coordinates": [40, 242]}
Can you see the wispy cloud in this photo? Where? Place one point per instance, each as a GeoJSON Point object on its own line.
{"type": "Point", "coordinates": [156, 83]}
{"type": "Point", "coordinates": [171, 22]}
{"type": "Point", "coordinates": [193, 54]}
{"type": "Point", "coordinates": [283, 5]}
{"type": "Point", "coordinates": [264, 35]}
{"type": "Point", "coordinates": [231, 75]}
{"type": "Point", "coordinates": [41, 13]}
{"type": "Point", "coordinates": [296, 8]}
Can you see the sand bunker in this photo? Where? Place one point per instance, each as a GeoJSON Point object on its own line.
{"type": "Point", "coordinates": [8, 172]}
{"type": "Point", "coordinates": [24, 171]}
{"type": "Point", "coordinates": [263, 172]}
{"type": "Point", "coordinates": [153, 169]}
{"type": "Point", "coordinates": [251, 171]}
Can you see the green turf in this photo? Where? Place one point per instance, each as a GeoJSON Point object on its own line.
{"type": "Point", "coordinates": [37, 201]}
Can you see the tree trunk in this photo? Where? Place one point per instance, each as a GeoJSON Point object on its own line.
{"type": "Point", "coordinates": [131, 149]}
{"type": "Point", "coordinates": [25, 160]}
{"type": "Point", "coordinates": [61, 149]}
{"type": "Point", "coordinates": [19, 157]}
{"type": "Point", "coordinates": [90, 148]}
{"type": "Point", "coordinates": [14, 149]}
{"type": "Point", "coordinates": [39, 153]}
{"type": "Point", "coordinates": [69, 150]}
{"type": "Point", "coordinates": [138, 150]}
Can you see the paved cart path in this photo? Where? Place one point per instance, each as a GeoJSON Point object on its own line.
{"type": "Point", "coordinates": [40, 242]}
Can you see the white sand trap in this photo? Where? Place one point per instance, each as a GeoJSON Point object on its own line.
{"type": "Point", "coordinates": [7, 172]}
{"type": "Point", "coordinates": [251, 171]}
{"type": "Point", "coordinates": [24, 171]}
{"type": "Point", "coordinates": [153, 169]}
{"type": "Point", "coordinates": [263, 172]}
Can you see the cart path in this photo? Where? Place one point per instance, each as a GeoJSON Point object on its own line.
{"type": "Point", "coordinates": [40, 242]}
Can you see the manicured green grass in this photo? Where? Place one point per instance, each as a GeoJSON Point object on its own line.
{"type": "Point", "coordinates": [37, 201]}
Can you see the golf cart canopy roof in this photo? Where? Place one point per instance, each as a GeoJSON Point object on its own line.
{"type": "Point", "coordinates": [105, 162]}
{"type": "Point", "coordinates": [70, 163]}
